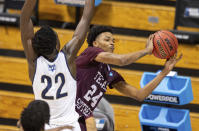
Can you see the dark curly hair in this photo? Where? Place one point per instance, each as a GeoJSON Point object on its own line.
{"type": "Point", "coordinates": [33, 118]}
{"type": "Point", "coordinates": [95, 31]}
{"type": "Point", "coordinates": [43, 106]}
{"type": "Point", "coordinates": [44, 41]}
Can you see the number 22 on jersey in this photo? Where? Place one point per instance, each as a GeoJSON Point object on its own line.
{"type": "Point", "coordinates": [49, 85]}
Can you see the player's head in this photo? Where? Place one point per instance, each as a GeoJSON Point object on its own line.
{"type": "Point", "coordinates": [45, 42]}
{"type": "Point", "coordinates": [34, 117]}
{"type": "Point", "coordinates": [43, 107]}
{"type": "Point", "coordinates": [102, 37]}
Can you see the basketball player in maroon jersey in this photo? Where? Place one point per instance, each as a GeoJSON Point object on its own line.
{"type": "Point", "coordinates": [94, 74]}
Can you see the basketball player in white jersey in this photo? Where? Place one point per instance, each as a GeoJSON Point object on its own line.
{"type": "Point", "coordinates": [52, 72]}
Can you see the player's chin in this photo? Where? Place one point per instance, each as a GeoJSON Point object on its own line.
{"type": "Point", "coordinates": [111, 50]}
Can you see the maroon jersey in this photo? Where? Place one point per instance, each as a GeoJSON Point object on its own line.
{"type": "Point", "coordinates": [92, 80]}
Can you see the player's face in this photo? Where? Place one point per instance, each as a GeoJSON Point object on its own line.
{"type": "Point", "coordinates": [105, 41]}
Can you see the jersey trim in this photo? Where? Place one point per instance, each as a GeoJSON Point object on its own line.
{"type": "Point", "coordinates": [68, 65]}
{"type": "Point", "coordinates": [35, 71]}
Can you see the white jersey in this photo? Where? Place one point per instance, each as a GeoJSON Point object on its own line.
{"type": "Point", "coordinates": [54, 84]}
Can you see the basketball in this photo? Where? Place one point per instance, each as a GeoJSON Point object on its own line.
{"type": "Point", "coordinates": [165, 44]}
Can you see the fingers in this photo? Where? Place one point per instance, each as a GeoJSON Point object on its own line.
{"type": "Point", "coordinates": [149, 43]}
{"type": "Point", "coordinates": [180, 57]}
{"type": "Point", "coordinates": [175, 59]}
{"type": "Point", "coordinates": [174, 56]}
{"type": "Point", "coordinates": [151, 37]}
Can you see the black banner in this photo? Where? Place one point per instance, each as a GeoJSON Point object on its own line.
{"type": "Point", "coordinates": [186, 37]}
{"type": "Point", "coordinates": [9, 19]}
{"type": "Point", "coordinates": [187, 13]}
{"type": "Point", "coordinates": [13, 19]}
{"type": "Point", "coordinates": [71, 2]}
{"type": "Point", "coordinates": [14, 4]}
{"type": "Point", "coordinates": [153, 128]}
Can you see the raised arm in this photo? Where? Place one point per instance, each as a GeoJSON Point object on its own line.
{"type": "Point", "coordinates": [141, 94]}
{"type": "Point", "coordinates": [72, 48]}
{"type": "Point", "coordinates": [125, 59]}
{"type": "Point", "coordinates": [27, 33]}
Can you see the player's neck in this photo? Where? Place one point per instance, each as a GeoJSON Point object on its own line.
{"type": "Point", "coordinates": [52, 56]}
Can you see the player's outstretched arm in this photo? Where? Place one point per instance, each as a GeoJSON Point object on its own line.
{"type": "Point", "coordinates": [125, 59]}
{"type": "Point", "coordinates": [60, 128]}
{"type": "Point", "coordinates": [27, 32]}
{"type": "Point", "coordinates": [141, 94]}
{"type": "Point", "coordinates": [73, 46]}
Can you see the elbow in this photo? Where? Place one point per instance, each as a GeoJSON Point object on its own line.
{"type": "Point", "coordinates": [139, 97]}
{"type": "Point", "coordinates": [77, 39]}
{"type": "Point", "coordinates": [22, 18]}
{"type": "Point", "coordinates": [122, 61]}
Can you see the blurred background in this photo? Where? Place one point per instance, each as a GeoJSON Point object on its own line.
{"type": "Point", "coordinates": [132, 22]}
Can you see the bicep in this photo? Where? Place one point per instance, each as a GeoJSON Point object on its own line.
{"type": "Point", "coordinates": [27, 30]}
{"type": "Point", "coordinates": [69, 52]}
{"type": "Point", "coordinates": [69, 47]}
{"type": "Point", "coordinates": [29, 52]}
{"type": "Point", "coordinates": [74, 45]}
{"type": "Point", "coordinates": [126, 89]}
{"type": "Point", "coordinates": [109, 58]}
{"type": "Point", "coordinates": [27, 33]}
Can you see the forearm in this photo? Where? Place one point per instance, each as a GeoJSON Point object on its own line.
{"type": "Point", "coordinates": [141, 94]}
{"type": "Point", "coordinates": [83, 26]}
{"type": "Point", "coordinates": [144, 92]}
{"type": "Point", "coordinates": [90, 124]}
{"type": "Point", "coordinates": [79, 36]}
{"type": "Point", "coordinates": [26, 25]}
{"type": "Point", "coordinates": [60, 128]}
{"type": "Point", "coordinates": [27, 10]}
{"type": "Point", "coordinates": [132, 57]}
{"type": "Point", "coordinates": [88, 10]}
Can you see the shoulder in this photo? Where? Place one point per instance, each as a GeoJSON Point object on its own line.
{"type": "Point", "coordinates": [88, 55]}
{"type": "Point", "coordinates": [92, 50]}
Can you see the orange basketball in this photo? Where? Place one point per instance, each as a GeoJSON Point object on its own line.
{"type": "Point", "coordinates": [165, 44]}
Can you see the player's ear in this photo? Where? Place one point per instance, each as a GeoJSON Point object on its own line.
{"type": "Point", "coordinates": [95, 44]}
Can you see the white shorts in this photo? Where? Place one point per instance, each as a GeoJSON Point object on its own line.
{"type": "Point", "coordinates": [76, 127]}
